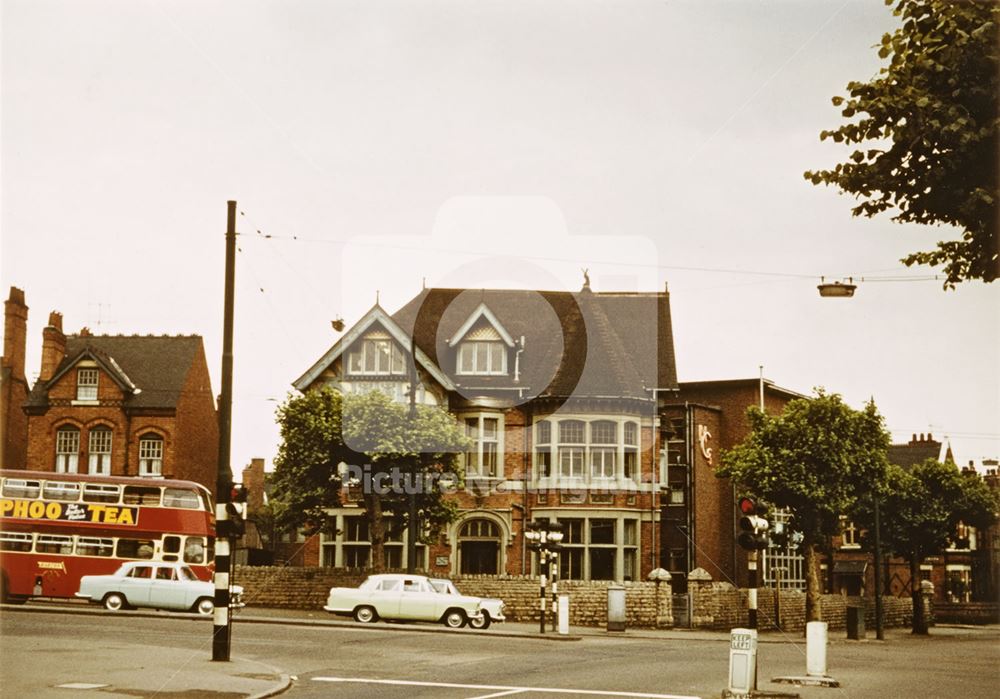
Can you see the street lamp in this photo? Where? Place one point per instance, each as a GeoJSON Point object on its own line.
{"type": "Point", "coordinates": [837, 289]}
{"type": "Point", "coordinates": [545, 537]}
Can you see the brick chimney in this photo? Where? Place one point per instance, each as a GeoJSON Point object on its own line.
{"type": "Point", "coordinates": [13, 384]}
{"type": "Point", "coordinates": [53, 346]}
{"type": "Point", "coordinates": [15, 333]}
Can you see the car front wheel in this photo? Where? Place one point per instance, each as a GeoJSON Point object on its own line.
{"type": "Point", "coordinates": [204, 606]}
{"type": "Point", "coordinates": [481, 623]}
{"type": "Point", "coordinates": [454, 619]}
{"type": "Point", "coordinates": [365, 615]}
{"type": "Point", "coordinates": [114, 602]}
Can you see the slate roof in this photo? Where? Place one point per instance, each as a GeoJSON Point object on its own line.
{"type": "Point", "coordinates": [582, 344]}
{"type": "Point", "coordinates": [158, 366]}
{"type": "Point", "coordinates": [917, 451]}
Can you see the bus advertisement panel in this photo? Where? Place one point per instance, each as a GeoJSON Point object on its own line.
{"type": "Point", "coordinates": [57, 527]}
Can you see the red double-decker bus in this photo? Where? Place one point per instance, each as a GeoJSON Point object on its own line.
{"type": "Point", "coordinates": [57, 527]}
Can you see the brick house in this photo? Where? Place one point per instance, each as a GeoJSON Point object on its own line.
{"type": "Point", "coordinates": [575, 413]}
{"type": "Point", "coordinates": [122, 405]}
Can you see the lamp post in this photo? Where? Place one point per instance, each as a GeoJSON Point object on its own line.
{"type": "Point", "coordinates": [545, 537]}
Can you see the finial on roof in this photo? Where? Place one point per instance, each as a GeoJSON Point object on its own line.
{"type": "Point", "coordinates": [423, 284]}
{"type": "Point", "coordinates": [586, 280]}
{"type": "Point", "coordinates": [377, 292]}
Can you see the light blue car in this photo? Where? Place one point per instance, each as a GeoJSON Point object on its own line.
{"type": "Point", "coordinates": [172, 586]}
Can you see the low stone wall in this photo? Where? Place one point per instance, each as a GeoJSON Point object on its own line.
{"type": "Point", "coordinates": [715, 605]}
{"type": "Point", "coordinates": [307, 588]}
{"type": "Point", "coordinates": [721, 606]}
{"type": "Point", "coordinates": [967, 613]}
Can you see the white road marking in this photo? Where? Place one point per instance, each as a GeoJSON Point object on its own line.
{"type": "Point", "coordinates": [80, 685]}
{"type": "Point", "coordinates": [507, 689]}
{"type": "Point", "coordinates": [500, 694]}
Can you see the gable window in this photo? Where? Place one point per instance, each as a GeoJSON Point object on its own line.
{"type": "Point", "coordinates": [151, 455]}
{"type": "Point", "coordinates": [482, 459]}
{"type": "Point", "coordinates": [86, 384]}
{"type": "Point", "coordinates": [67, 450]}
{"type": "Point", "coordinates": [376, 355]}
{"type": "Point", "coordinates": [849, 534]}
{"type": "Point", "coordinates": [481, 357]}
{"type": "Point", "coordinates": [99, 451]}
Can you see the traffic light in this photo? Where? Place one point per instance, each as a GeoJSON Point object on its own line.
{"type": "Point", "coordinates": [753, 525]}
{"type": "Point", "coordinates": [236, 510]}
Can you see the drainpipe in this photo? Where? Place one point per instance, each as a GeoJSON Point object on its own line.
{"type": "Point", "coordinates": [689, 480]}
{"type": "Point", "coordinates": [525, 476]}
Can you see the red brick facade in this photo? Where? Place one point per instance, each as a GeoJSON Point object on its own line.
{"type": "Point", "coordinates": [151, 388]}
{"type": "Point", "coordinates": [13, 383]}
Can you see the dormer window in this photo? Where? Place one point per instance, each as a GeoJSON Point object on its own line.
{"type": "Point", "coordinates": [482, 357]}
{"type": "Point", "coordinates": [86, 384]}
{"type": "Point", "coordinates": [376, 354]}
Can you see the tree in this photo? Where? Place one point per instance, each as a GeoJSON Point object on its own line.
{"type": "Point", "coordinates": [930, 122]}
{"type": "Point", "coordinates": [921, 509]}
{"type": "Point", "coordinates": [386, 451]}
{"type": "Point", "coordinates": [813, 459]}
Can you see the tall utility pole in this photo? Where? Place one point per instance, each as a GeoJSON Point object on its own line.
{"type": "Point", "coordinates": [222, 623]}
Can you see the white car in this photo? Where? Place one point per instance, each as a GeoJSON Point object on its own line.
{"type": "Point", "coordinates": [400, 597]}
{"type": "Point", "coordinates": [492, 607]}
{"type": "Point", "coordinates": [172, 586]}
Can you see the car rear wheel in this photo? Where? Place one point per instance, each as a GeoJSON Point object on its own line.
{"type": "Point", "coordinates": [482, 623]}
{"type": "Point", "coordinates": [365, 615]}
{"type": "Point", "coordinates": [204, 606]}
{"type": "Point", "coordinates": [114, 601]}
{"type": "Point", "coordinates": [454, 619]}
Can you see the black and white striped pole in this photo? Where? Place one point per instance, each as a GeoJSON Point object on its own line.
{"type": "Point", "coordinates": [221, 626]}
{"type": "Point", "coordinates": [544, 537]}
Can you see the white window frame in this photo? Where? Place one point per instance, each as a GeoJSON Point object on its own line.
{"type": "Point", "coordinates": [87, 382]}
{"type": "Point", "coordinates": [150, 458]}
{"type": "Point", "coordinates": [480, 443]}
{"type": "Point", "coordinates": [67, 450]}
{"type": "Point", "coordinates": [468, 359]}
{"type": "Point", "coordinates": [591, 462]}
{"type": "Point", "coordinates": [374, 352]}
{"type": "Point", "coordinates": [99, 445]}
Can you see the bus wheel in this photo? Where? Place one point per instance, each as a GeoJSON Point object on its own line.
{"type": "Point", "coordinates": [204, 606]}
{"type": "Point", "coordinates": [114, 602]}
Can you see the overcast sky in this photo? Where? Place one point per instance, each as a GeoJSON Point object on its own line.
{"type": "Point", "coordinates": [374, 147]}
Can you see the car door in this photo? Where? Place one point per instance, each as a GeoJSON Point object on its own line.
{"type": "Point", "coordinates": [166, 591]}
{"type": "Point", "coordinates": [385, 598]}
{"type": "Point", "coordinates": [419, 601]}
{"type": "Point", "coordinates": [135, 585]}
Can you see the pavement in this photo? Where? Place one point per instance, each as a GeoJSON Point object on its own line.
{"type": "Point", "coordinates": [182, 674]}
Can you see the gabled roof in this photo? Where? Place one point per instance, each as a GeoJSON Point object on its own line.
{"type": "Point", "coordinates": [375, 316]}
{"type": "Point", "coordinates": [483, 311]}
{"type": "Point", "coordinates": [583, 344]}
{"type": "Point", "coordinates": [151, 370]}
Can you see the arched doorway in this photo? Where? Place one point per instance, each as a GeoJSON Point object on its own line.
{"type": "Point", "coordinates": [479, 547]}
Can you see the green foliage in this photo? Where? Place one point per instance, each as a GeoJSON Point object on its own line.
{"type": "Point", "coordinates": [322, 429]}
{"type": "Point", "coordinates": [813, 459]}
{"type": "Point", "coordinates": [921, 508]}
{"type": "Point", "coordinates": [930, 120]}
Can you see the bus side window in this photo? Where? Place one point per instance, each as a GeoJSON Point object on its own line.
{"type": "Point", "coordinates": [194, 550]}
{"type": "Point", "coordinates": [96, 492]}
{"type": "Point", "coordinates": [171, 548]}
{"type": "Point", "coordinates": [57, 490]}
{"type": "Point", "coordinates": [53, 543]}
{"type": "Point", "coordinates": [141, 495]}
{"type": "Point", "coordinates": [180, 497]}
{"type": "Point", "coordinates": [20, 488]}
{"type": "Point", "coordinates": [14, 541]}
{"type": "Point", "coordinates": [88, 546]}
{"type": "Point", "coordinates": [135, 548]}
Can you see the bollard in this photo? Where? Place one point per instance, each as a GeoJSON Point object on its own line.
{"type": "Point", "coordinates": [616, 608]}
{"type": "Point", "coordinates": [564, 614]}
{"type": "Point", "coordinates": [816, 648]}
{"type": "Point", "coordinates": [742, 661]}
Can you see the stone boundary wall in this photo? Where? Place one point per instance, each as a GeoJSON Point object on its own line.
{"type": "Point", "coordinates": [719, 605]}
{"type": "Point", "coordinates": [967, 613]}
{"type": "Point", "coordinates": [715, 605]}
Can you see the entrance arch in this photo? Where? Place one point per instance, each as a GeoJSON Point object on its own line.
{"type": "Point", "coordinates": [479, 547]}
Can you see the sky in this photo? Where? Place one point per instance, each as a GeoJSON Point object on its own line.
{"type": "Point", "coordinates": [376, 147]}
